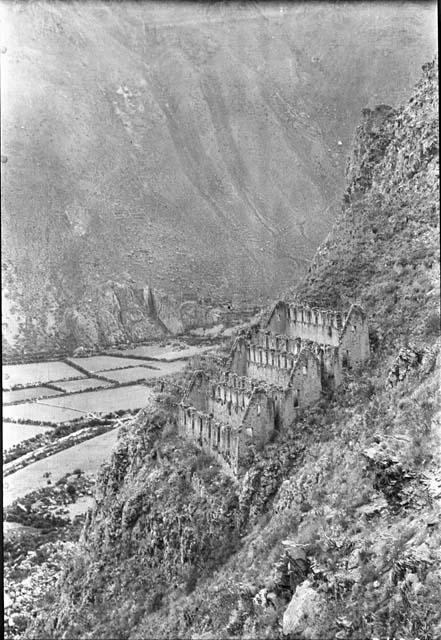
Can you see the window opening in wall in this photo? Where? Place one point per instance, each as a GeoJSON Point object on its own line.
{"type": "Point", "coordinates": [296, 398]}
{"type": "Point", "coordinates": [304, 370]}
{"type": "Point", "coordinates": [330, 331]}
{"type": "Point", "coordinates": [218, 436]}
{"type": "Point", "coordinates": [228, 439]}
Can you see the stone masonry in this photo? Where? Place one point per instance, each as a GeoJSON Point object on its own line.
{"type": "Point", "coordinates": [273, 370]}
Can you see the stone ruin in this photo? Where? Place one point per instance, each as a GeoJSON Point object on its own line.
{"type": "Point", "coordinates": [272, 372]}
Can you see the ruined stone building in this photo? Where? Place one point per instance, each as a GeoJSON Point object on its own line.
{"type": "Point", "coordinates": [273, 371]}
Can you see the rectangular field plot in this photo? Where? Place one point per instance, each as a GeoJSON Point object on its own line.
{"type": "Point", "coordinates": [93, 364]}
{"type": "Point", "coordinates": [15, 433]}
{"type": "Point", "coordinates": [168, 368]}
{"type": "Point", "coordinates": [37, 372]}
{"type": "Point", "coordinates": [37, 412]}
{"type": "Point", "coordinates": [72, 386]}
{"type": "Point", "coordinates": [134, 374]}
{"type": "Point", "coordinates": [31, 393]}
{"type": "Point", "coordinates": [106, 400]}
{"type": "Point", "coordinates": [168, 353]}
{"type": "Point", "coordinates": [70, 407]}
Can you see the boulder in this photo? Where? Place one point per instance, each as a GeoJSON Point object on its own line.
{"type": "Point", "coordinates": [305, 614]}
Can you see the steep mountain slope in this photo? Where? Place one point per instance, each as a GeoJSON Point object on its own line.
{"type": "Point", "coordinates": [139, 136]}
{"type": "Point", "coordinates": [335, 531]}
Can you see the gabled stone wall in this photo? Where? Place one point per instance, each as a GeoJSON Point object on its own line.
{"type": "Point", "coordinates": [354, 339]}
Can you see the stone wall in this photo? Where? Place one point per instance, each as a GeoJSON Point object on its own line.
{"type": "Point", "coordinates": [239, 356]}
{"type": "Point", "coordinates": [350, 335]}
{"type": "Point", "coordinates": [330, 364]}
{"type": "Point", "coordinates": [270, 373]}
{"type": "Point", "coordinates": [198, 390]}
{"type": "Point", "coordinates": [226, 440]}
{"type": "Point", "coordinates": [354, 340]}
{"type": "Point", "coordinates": [214, 437]}
{"type": "Point", "coordinates": [319, 325]}
{"type": "Point", "coordinates": [259, 419]}
{"type": "Point", "coordinates": [306, 378]}
{"type": "Point", "coordinates": [279, 342]}
{"type": "Point", "coordinates": [229, 403]}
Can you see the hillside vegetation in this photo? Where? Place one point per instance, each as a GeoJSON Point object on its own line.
{"type": "Point", "coordinates": [141, 136]}
{"type": "Point", "coordinates": [335, 531]}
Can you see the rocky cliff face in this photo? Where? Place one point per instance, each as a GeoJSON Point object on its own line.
{"type": "Point", "coordinates": [336, 530]}
{"type": "Point", "coordinates": [383, 250]}
{"type": "Point", "coordinates": [114, 314]}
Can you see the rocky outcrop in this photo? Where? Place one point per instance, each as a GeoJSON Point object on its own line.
{"type": "Point", "coordinates": [113, 315]}
{"type": "Point", "coordinates": [370, 145]}
{"type": "Point", "coordinates": [123, 313]}
{"type": "Point", "coordinates": [407, 360]}
{"type": "Point", "coordinates": [164, 309]}
{"type": "Point", "coordinates": [383, 250]}
{"type": "Point", "coordinates": [305, 612]}
{"type": "Point", "coordinates": [194, 315]}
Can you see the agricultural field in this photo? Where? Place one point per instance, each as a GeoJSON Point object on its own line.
{"type": "Point", "coordinates": [115, 383]}
{"type": "Point", "coordinates": [39, 412]}
{"type": "Point", "coordinates": [29, 393]}
{"type": "Point", "coordinates": [142, 373]}
{"type": "Point", "coordinates": [37, 373]}
{"type": "Point", "coordinates": [84, 384]}
{"type": "Point", "coordinates": [94, 364]}
{"type": "Point", "coordinates": [167, 353]}
{"type": "Point", "coordinates": [87, 456]}
{"type": "Point", "coordinates": [73, 406]}
{"type": "Point", "coordinates": [134, 374]}
{"type": "Point", "coordinates": [13, 433]}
